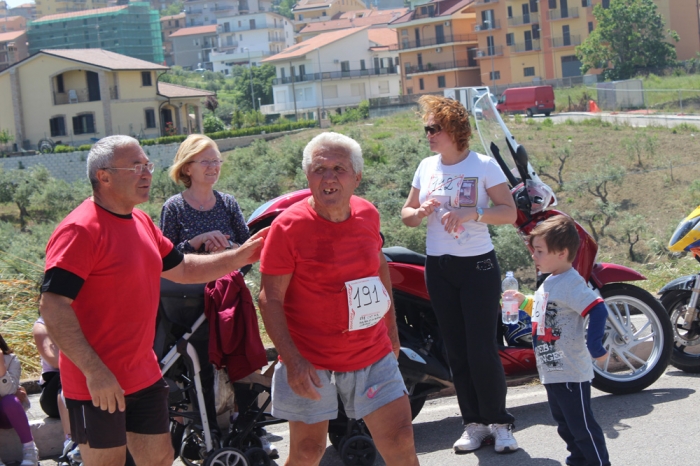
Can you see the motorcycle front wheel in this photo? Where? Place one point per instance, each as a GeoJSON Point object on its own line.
{"type": "Point", "coordinates": [639, 356]}
{"type": "Point", "coordinates": [685, 357]}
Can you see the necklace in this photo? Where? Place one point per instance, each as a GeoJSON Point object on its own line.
{"type": "Point", "coordinates": [195, 201]}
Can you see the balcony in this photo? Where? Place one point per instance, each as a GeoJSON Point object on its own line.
{"type": "Point", "coordinates": [527, 46]}
{"type": "Point", "coordinates": [433, 41]}
{"type": "Point", "coordinates": [73, 96]}
{"type": "Point", "coordinates": [431, 67]}
{"type": "Point", "coordinates": [329, 75]}
{"type": "Point", "coordinates": [566, 41]}
{"type": "Point", "coordinates": [487, 26]}
{"type": "Point", "coordinates": [493, 51]}
{"type": "Point", "coordinates": [532, 18]}
{"type": "Point", "coordinates": [555, 15]}
{"type": "Point", "coordinates": [227, 46]}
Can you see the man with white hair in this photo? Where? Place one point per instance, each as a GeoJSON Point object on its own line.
{"type": "Point", "coordinates": [326, 303]}
{"type": "Point", "coordinates": [99, 302]}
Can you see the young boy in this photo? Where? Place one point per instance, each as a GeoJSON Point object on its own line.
{"type": "Point", "coordinates": [563, 361]}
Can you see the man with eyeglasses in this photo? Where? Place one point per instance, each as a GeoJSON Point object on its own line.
{"type": "Point", "coordinates": [99, 302]}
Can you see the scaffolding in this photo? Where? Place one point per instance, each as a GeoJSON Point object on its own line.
{"type": "Point", "coordinates": [132, 30]}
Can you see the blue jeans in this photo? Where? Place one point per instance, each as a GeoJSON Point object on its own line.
{"type": "Point", "coordinates": [570, 404]}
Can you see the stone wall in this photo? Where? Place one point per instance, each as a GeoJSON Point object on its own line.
{"type": "Point", "coordinates": [71, 166]}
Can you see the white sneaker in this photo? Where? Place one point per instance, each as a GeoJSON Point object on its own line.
{"type": "Point", "coordinates": [30, 456]}
{"type": "Point", "coordinates": [503, 435]}
{"type": "Point", "coordinates": [472, 437]}
{"type": "Point", "coordinates": [269, 448]}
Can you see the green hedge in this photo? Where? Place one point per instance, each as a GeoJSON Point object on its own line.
{"type": "Point", "coordinates": [235, 133]}
{"type": "Point", "coordinates": [61, 149]}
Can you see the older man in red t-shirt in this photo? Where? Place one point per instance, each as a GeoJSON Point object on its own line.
{"type": "Point", "coordinates": [326, 303]}
{"type": "Point", "coordinates": [100, 297]}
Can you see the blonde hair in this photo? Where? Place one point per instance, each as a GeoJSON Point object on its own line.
{"type": "Point", "coordinates": [192, 146]}
{"type": "Point", "coordinates": [451, 115]}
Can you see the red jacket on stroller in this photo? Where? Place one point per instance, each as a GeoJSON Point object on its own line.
{"type": "Point", "coordinates": [234, 336]}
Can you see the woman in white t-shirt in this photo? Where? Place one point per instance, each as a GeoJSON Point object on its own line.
{"type": "Point", "coordinates": [461, 192]}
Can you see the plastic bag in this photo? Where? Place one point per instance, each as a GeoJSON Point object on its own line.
{"type": "Point", "coordinates": [223, 392]}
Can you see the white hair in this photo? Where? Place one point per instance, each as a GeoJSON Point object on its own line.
{"type": "Point", "coordinates": [102, 154]}
{"type": "Point", "coordinates": [334, 140]}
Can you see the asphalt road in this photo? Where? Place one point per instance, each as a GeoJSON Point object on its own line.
{"type": "Point", "coordinates": [656, 427]}
{"type": "Point", "coordinates": [632, 119]}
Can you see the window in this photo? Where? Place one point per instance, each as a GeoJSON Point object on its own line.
{"type": "Point", "coordinates": [227, 27]}
{"type": "Point", "coordinates": [58, 126]}
{"type": "Point", "coordinates": [302, 71]}
{"type": "Point", "coordinates": [529, 71]}
{"type": "Point", "coordinates": [510, 12]}
{"type": "Point", "coordinates": [84, 124]}
{"type": "Point", "coordinates": [441, 82]}
{"type": "Point", "coordinates": [552, 4]}
{"type": "Point", "coordinates": [420, 84]}
{"type": "Point", "coordinates": [494, 75]}
{"type": "Point", "coordinates": [344, 66]}
{"type": "Point", "coordinates": [510, 38]}
{"type": "Point", "coordinates": [146, 79]}
{"type": "Point", "coordinates": [533, 6]}
{"type": "Point", "coordinates": [59, 84]}
{"type": "Point", "coordinates": [150, 118]}
{"type": "Point", "coordinates": [585, 3]}
{"type": "Point", "coordinates": [383, 87]}
{"type": "Point", "coordinates": [535, 31]}
{"type": "Point", "coordinates": [330, 92]}
{"type": "Point", "coordinates": [362, 65]}
{"type": "Point", "coordinates": [606, 4]}
{"type": "Point", "coordinates": [590, 27]}
{"type": "Point", "coordinates": [252, 24]}
{"type": "Point", "coordinates": [283, 72]}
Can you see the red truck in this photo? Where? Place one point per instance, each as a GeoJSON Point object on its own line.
{"type": "Point", "coordinates": [530, 100]}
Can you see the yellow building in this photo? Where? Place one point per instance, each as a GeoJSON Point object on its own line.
{"type": "Point", "coordinates": [308, 11]}
{"type": "Point", "coordinates": [52, 7]}
{"type": "Point", "coordinates": [438, 47]}
{"type": "Point", "coordinates": [77, 96]}
{"type": "Point", "coordinates": [529, 40]}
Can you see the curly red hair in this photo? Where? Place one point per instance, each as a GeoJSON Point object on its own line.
{"type": "Point", "coordinates": [451, 115]}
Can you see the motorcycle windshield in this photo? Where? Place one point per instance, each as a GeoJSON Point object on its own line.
{"type": "Point", "coordinates": [493, 132]}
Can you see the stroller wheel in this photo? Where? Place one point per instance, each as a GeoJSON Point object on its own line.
{"type": "Point", "coordinates": [226, 457]}
{"type": "Point", "coordinates": [358, 451]}
{"type": "Point", "coordinates": [336, 440]}
{"type": "Point", "coordinates": [257, 457]}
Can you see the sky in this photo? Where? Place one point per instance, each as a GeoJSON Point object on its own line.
{"type": "Point", "coordinates": [14, 3]}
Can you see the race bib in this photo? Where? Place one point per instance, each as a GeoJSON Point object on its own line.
{"type": "Point", "coordinates": [539, 309]}
{"type": "Point", "coordinates": [368, 301]}
{"type": "Point", "coordinates": [445, 184]}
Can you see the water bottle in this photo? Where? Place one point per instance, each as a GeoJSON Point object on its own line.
{"type": "Point", "coordinates": [460, 234]}
{"type": "Point", "coordinates": [510, 309]}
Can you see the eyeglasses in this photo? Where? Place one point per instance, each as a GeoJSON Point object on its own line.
{"type": "Point", "coordinates": [137, 168]}
{"type": "Point", "coordinates": [209, 163]}
{"type": "Point", "coordinates": [432, 129]}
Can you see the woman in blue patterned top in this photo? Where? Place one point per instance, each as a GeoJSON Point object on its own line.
{"type": "Point", "coordinates": [201, 219]}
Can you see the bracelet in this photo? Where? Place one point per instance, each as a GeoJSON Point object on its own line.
{"type": "Point", "coordinates": [523, 305]}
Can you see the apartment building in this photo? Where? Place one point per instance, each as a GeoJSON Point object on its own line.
{"type": "Point", "coordinates": [308, 11]}
{"type": "Point", "coordinates": [334, 71]}
{"type": "Point", "coordinates": [53, 7]}
{"type": "Point", "coordinates": [13, 48]}
{"type": "Point", "coordinates": [13, 23]}
{"type": "Point", "coordinates": [206, 12]}
{"type": "Point", "coordinates": [438, 46]}
{"type": "Point", "coordinates": [249, 38]}
{"type": "Point", "coordinates": [168, 25]}
{"type": "Point", "coordinates": [192, 47]}
{"type": "Point", "coordinates": [132, 30]}
{"type": "Point", "coordinates": [351, 19]}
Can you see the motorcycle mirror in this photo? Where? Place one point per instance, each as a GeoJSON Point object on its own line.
{"type": "Point", "coordinates": [521, 161]}
{"type": "Point", "coordinates": [512, 180]}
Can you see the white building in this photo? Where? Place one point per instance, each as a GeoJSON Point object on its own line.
{"type": "Point", "coordinates": [334, 71]}
{"type": "Point", "coordinates": [249, 38]}
{"type": "Point", "coordinates": [204, 12]}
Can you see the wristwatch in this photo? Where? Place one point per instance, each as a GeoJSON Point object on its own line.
{"type": "Point", "coordinates": [479, 213]}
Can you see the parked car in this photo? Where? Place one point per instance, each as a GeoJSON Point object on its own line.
{"type": "Point", "coordinates": [530, 100]}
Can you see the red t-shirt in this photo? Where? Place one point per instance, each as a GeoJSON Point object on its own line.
{"type": "Point", "coordinates": [121, 261]}
{"type": "Point", "coordinates": [322, 256]}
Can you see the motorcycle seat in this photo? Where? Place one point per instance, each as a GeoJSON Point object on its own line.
{"type": "Point", "coordinates": [403, 255]}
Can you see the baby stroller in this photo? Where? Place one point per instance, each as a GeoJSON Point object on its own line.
{"type": "Point", "coordinates": [180, 319]}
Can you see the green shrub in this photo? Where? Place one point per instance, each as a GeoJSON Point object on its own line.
{"type": "Point", "coordinates": [148, 142]}
{"type": "Point", "coordinates": [518, 118]}
{"type": "Point", "coordinates": [61, 149]}
{"type": "Point", "coordinates": [85, 147]}
{"type": "Point", "coordinates": [548, 123]}
{"type": "Point", "coordinates": [213, 124]}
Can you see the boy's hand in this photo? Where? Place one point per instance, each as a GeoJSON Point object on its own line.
{"type": "Point", "coordinates": [512, 294]}
{"type": "Point", "coordinates": [600, 360]}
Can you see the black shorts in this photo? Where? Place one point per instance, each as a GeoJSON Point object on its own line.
{"type": "Point", "coordinates": [146, 413]}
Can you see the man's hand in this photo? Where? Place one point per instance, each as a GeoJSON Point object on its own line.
{"type": "Point", "coordinates": [250, 250]}
{"type": "Point", "coordinates": [105, 390]}
{"type": "Point", "coordinates": [302, 378]}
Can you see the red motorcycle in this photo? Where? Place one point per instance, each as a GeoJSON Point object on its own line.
{"type": "Point", "coordinates": [638, 334]}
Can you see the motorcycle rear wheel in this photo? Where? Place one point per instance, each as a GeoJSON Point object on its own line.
{"type": "Point", "coordinates": [637, 362]}
{"type": "Point", "coordinates": [683, 357]}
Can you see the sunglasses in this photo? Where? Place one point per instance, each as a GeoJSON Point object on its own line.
{"type": "Point", "coordinates": [432, 129]}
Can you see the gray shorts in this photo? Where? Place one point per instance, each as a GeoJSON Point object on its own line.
{"type": "Point", "coordinates": [362, 392]}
